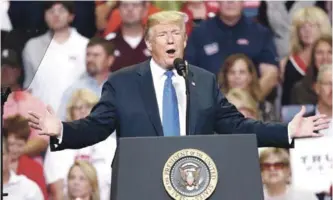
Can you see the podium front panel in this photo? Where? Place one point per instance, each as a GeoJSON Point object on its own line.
{"type": "Point", "coordinates": [139, 164]}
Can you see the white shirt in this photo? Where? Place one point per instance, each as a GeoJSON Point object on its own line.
{"type": "Point", "coordinates": [133, 41]}
{"type": "Point", "coordinates": [60, 66]}
{"type": "Point", "coordinates": [19, 187]}
{"type": "Point", "coordinates": [179, 84]}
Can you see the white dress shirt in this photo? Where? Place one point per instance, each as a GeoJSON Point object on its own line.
{"type": "Point", "coordinates": [178, 82]}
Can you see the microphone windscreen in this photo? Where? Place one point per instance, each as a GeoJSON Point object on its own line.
{"type": "Point", "coordinates": [180, 66]}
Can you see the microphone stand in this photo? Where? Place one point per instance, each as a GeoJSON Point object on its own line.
{"type": "Point", "coordinates": [187, 85]}
{"type": "Point", "coordinates": [4, 96]}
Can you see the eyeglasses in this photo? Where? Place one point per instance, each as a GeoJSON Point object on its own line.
{"type": "Point", "coordinates": [277, 165]}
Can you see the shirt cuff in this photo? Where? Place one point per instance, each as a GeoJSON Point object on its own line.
{"type": "Point", "coordinates": [60, 136]}
{"type": "Point", "coordinates": [290, 139]}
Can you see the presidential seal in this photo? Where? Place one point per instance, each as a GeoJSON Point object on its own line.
{"type": "Point", "coordinates": [190, 174]}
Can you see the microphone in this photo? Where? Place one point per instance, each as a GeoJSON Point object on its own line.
{"type": "Point", "coordinates": [180, 66]}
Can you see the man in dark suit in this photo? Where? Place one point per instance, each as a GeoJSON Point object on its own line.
{"type": "Point", "coordinates": [148, 99]}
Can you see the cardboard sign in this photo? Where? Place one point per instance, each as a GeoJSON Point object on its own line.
{"type": "Point", "coordinates": [312, 164]}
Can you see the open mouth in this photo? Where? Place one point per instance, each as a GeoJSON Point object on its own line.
{"type": "Point", "coordinates": [171, 51]}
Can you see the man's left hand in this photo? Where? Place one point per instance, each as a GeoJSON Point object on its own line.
{"type": "Point", "coordinates": [301, 127]}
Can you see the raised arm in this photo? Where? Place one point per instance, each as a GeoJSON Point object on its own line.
{"type": "Point", "coordinates": [228, 121]}
{"type": "Point", "coordinates": [81, 133]}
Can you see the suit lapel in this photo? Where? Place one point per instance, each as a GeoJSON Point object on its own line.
{"type": "Point", "coordinates": [148, 95]}
{"type": "Point", "coordinates": [193, 102]}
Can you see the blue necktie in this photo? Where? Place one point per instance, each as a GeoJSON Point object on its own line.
{"type": "Point", "coordinates": [171, 125]}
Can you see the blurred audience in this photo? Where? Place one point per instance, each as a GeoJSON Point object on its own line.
{"type": "Point", "coordinates": [277, 16]}
{"type": "Point", "coordinates": [19, 102]}
{"type": "Point", "coordinates": [244, 102]}
{"type": "Point", "coordinates": [99, 155]}
{"type": "Point", "coordinates": [28, 17]}
{"type": "Point", "coordinates": [238, 71]}
{"type": "Point", "coordinates": [129, 38]}
{"type": "Point", "coordinates": [99, 59]}
{"type": "Point", "coordinates": [198, 11]}
{"type": "Point", "coordinates": [323, 89]}
{"type": "Point", "coordinates": [18, 186]}
{"type": "Point", "coordinates": [110, 19]}
{"type": "Point", "coordinates": [308, 25]}
{"type": "Point", "coordinates": [57, 55]}
{"type": "Point", "coordinates": [276, 176]}
{"type": "Point", "coordinates": [303, 91]}
{"type": "Point", "coordinates": [82, 182]}
{"type": "Point", "coordinates": [53, 55]}
{"type": "Point", "coordinates": [231, 32]}
{"type": "Point", "coordinates": [168, 5]}
{"type": "Point", "coordinates": [17, 133]}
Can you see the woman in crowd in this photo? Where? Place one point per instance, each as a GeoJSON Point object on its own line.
{"type": "Point", "coordinates": [276, 176]}
{"type": "Point", "coordinates": [238, 71]}
{"type": "Point", "coordinates": [308, 25]}
{"type": "Point", "coordinates": [277, 16]}
{"type": "Point", "coordinates": [303, 91]}
{"type": "Point", "coordinates": [82, 182]}
{"type": "Point", "coordinates": [79, 106]}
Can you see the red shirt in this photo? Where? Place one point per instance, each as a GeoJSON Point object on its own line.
{"type": "Point", "coordinates": [125, 55]}
{"type": "Point", "coordinates": [211, 10]}
{"type": "Point", "coordinates": [33, 171]}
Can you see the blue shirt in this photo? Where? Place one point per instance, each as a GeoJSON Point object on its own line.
{"type": "Point", "coordinates": [213, 41]}
{"type": "Point", "coordinates": [85, 82]}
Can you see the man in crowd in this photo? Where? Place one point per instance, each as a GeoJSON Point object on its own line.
{"type": "Point", "coordinates": [99, 59]}
{"type": "Point", "coordinates": [231, 32]}
{"type": "Point", "coordinates": [57, 58]}
{"type": "Point", "coordinates": [17, 186]}
{"type": "Point", "coordinates": [145, 97]}
{"type": "Point", "coordinates": [130, 47]}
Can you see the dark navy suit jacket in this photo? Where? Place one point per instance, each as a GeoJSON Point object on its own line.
{"type": "Point", "coordinates": [128, 105]}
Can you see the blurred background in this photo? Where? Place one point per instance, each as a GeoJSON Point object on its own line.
{"type": "Point", "coordinates": [270, 57]}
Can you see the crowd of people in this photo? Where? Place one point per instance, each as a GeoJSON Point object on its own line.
{"type": "Point", "coordinates": [268, 57]}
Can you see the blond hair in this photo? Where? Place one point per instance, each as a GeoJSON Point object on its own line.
{"type": "Point", "coordinates": [242, 98]}
{"type": "Point", "coordinates": [85, 95]}
{"type": "Point", "coordinates": [310, 14]}
{"type": "Point", "coordinates": [90, 172]}
{"type": "Point", "coordinates": [279, 152]}
{"type": "Point", "coordinates": [165, 17]}
{"type": "Point", "coordinates": [322, 70]}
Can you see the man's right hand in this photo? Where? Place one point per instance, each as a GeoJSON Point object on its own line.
{"type": "Point", "coordinates": [48, 124]}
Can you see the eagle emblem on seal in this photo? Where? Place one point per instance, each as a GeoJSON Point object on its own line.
{"type": "Point", "coordinates": [190, 176]}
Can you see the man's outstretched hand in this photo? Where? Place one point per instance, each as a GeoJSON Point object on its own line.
{"type": "Point", "coordinates": [47, 124]}
{"type": "Point", "coordinates": [301, 126]}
